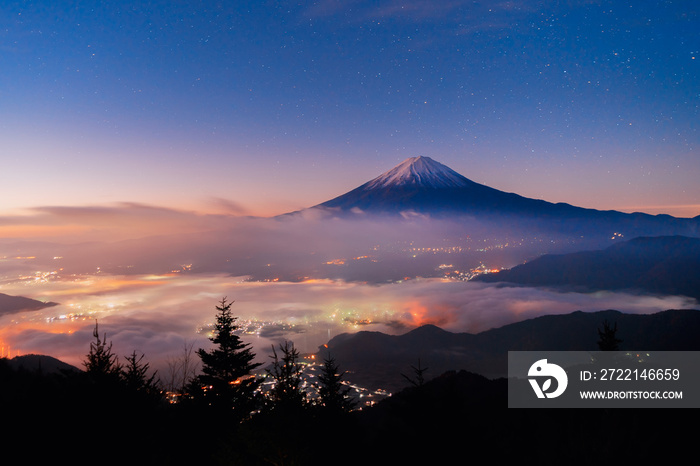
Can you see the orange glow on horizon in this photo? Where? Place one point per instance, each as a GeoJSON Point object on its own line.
{"type": "Point", "coordinates": [418, 314]}
{"type": "Point", "coordinates": [38, 231]}
{"type": "Point", "coordinates": [12, 333]}
{"type": "Point", "coordinates": [320, 281]}
{"type": "Point", "coordinates": [676, 210]}
{"type": "Point", "coordinates": [93, 287]}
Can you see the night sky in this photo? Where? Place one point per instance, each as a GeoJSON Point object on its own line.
{"type": "Point", "coordinates": [266, 107]}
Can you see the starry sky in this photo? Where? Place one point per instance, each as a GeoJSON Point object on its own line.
{"type": "Point", "coordinates": [260, 108]}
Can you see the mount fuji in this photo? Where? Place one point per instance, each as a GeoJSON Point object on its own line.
{"type": "Point", "coordinates": [421, 186]}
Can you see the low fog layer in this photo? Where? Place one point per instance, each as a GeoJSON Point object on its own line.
{"type": "Point", "coordinates": [159, 316]}
{"type": "Point", "coordinates": [152, 277]}
{"type": "Point", "coordinates": [132, 238]}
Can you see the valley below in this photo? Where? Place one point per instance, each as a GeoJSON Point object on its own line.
{"type": "Point", "coordinates": [418, 246]}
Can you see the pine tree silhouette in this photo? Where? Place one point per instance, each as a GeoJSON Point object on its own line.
{"type": "Point", "coordinates": [607, 340]}
{"type": "Point", "coordinates": [286, 372]}
{"type": "Point", "coordinates": [418, 371]}
{"type": "Point", "coordinates": [333, 394]}
{"type": "Point", "coordinates": [227, 380]}
{"type": "Point", "coordinates": [135, 375]}
{"type": "Point", "coordinates": [101, 363]}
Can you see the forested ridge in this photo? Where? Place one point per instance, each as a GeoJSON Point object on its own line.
{"type": "Point", "coordinates": [116, 411]}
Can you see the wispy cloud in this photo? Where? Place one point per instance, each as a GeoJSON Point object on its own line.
{"type": "Point", "coordinates": [108, 222]}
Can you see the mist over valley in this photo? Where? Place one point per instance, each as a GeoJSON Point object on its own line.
{"type": "Point", "coordinates": [151, 276]}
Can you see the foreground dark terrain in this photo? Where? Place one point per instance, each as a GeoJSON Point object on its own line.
{"type": "Point", "coordinates": [53, 411]}
{"type": "Point", "coordinates": [458, 413]}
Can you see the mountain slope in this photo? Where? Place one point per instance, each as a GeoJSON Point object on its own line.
{"type": "Point", "coordinates": [664, 265]}
{"type": "Point", "coordinates": [41, 364]}
{"type": "Point", "coordinates": [420, 185]}
{"type": "Point", "coordinates": [377, 360]}
{"type": "Point", "coordinates": [11, 304]}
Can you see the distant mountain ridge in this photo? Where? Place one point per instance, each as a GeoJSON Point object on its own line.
{"type": "Point", "coordinates": [423, 186]}
{"type": "Point", "coordinates": [377, 359]}
{"type": "Point", "coordinates": [668, 265]}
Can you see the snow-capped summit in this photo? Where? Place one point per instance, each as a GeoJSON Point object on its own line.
{"type": "Point", "coordinates": [418, 184]}
{"type": "Point", "coordinates": [419, 171]}
{"type": "Point", "coordinates": [420, 187]}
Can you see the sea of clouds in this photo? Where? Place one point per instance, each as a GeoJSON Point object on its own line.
{"type": "Point", "coordinates": [151, 278]}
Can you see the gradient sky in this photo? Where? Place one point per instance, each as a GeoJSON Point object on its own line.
{"type": "Point", "coordinates": [265, 107]}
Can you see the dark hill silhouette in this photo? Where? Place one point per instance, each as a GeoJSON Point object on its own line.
{"type": "Point", "coordinates": [432, 420]}
{"type": "Point", "coordinates": [378, 360]}
{"type": "Point", "coordinates": [11, 304]}
{"type": "Point", "coordinates": [40, 364]}
{"type": "Point", "coordinates": [667, 265]}
{"type": "Point", "coordinates": [462, 411]}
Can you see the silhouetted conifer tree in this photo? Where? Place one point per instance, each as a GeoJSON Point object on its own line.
{"type": "Point", "coordinates": [332, 392]}
{"type": "Point", "coordinates": [286, 372]}
{"type": "Point", "coordinates": [608, 340]}
{"type": "Point", "coordinates": [227, 379]}
{"type": "Point", "coordinates": [418, 371]}
{"type": "Point", "coordinates": [101, 363]}
{"type": "Point", "coordinates": [136, 377]}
